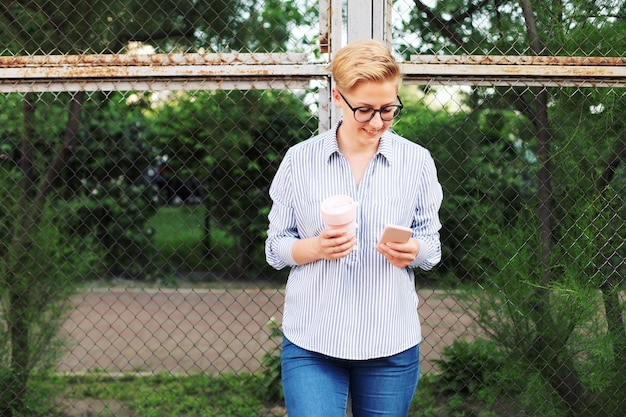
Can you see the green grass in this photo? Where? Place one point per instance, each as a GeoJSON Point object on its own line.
{"type": "Point", "coordinates": [181, 252]}
{"type": "Point", "coordinates": [167, 395]}
{"type": "Point", "coordinates": [158, 396]}
{"type": "Point", "coordinates": [178, 238]}
{"type": "Point", "coordinates": [230, 395]}
{"type": "Point", "coordinates": [178, 227]}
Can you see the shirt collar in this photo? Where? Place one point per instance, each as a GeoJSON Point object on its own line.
{"type": "Point", "coordinates": [384, 147]}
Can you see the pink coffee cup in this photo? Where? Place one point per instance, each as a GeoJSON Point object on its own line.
{"type": "Point", "coordinates": [339, 212]}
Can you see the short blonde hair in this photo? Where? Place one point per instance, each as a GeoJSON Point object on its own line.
{"type": "Point", "coordinates": [362, 61]}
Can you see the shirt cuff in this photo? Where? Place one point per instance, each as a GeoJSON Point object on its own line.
{"type": "Point", "coordinates": [285, 251]}
{"type": "Point", "coordinates": [421, 255]}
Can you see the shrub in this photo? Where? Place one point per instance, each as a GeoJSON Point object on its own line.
{"type": "Point", "coordinates": [271, 384]}
{"type": "Point", "coordinates": [116, 213]}
{"type": "Point", "coordinates": [467, 367]}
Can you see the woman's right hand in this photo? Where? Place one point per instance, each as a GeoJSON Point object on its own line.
{"type": "Point", "coordinates": [335, 243]}
{"type": "Point", "coordinates": [330, 244]}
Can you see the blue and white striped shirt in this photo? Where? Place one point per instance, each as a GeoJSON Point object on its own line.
{"type": "Point", "coordinates": [361, 306]}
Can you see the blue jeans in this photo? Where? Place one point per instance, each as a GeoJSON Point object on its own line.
{"type": "Point", "coordinates": [316, 385]}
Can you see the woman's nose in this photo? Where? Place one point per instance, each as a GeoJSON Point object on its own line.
{"type": "Point", "coordinates": [377, 120]}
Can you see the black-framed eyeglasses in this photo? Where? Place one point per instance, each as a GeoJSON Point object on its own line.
{"type": "Point", "coordinates": [364, 114]}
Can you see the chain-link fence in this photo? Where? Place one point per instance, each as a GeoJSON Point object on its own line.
{"type": "Point", "coordinates": [137, 144]}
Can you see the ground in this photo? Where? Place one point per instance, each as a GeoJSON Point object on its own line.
{"type": "Point", "coordinates": [147, 331]}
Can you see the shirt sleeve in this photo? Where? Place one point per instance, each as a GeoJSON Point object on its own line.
{"type": "Point", "coordinates": [426, 221]}
{"type": "Point", "coordinates": [282, 231]}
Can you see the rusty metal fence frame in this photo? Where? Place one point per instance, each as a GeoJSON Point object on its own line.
{"type": "Point", "coordinates": [257, 70]}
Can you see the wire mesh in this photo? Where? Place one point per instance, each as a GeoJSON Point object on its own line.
{"type": "Point", "coordinates": [133, 216]}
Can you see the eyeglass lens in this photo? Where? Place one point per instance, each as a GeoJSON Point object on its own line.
{"type": "Point", "coordinates": [387, 113]}
{"type": "Point", "coordinates": [365, 114]}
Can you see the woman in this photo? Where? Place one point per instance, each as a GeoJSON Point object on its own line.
{"type": "Point", "coordinates": [350, 318]}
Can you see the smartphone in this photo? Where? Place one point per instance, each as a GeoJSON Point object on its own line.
{"type": "Point", "coordinates": [393, 233]}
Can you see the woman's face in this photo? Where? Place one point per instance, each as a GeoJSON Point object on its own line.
{"type": "Point", "coordinates": [374, 95]}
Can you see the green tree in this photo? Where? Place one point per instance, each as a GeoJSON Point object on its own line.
{"type": "Point", "coordinates": [87, 26]}
{"type": "Point", "coordinates": [32, 282]}
{"type": "Point", "coordinates": [108, 197]}
{"type": "Point", "coordinates": [539, 270]}
{"type": "Point", "coordinates": [232, 141]}
{"type": "Point", "coordinates": [76, 27]}
{"type": "Point", "coordinates": [485, 172]}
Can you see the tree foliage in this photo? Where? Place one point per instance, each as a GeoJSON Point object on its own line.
{"type": "Point", "coordinates": [232, 141]}
{"type": "Point", "coordinates": [99, 26]}
{"type": "Point", "coordinates": [546, 271]}
{"type": "Point", "coordinates": [43, 154]}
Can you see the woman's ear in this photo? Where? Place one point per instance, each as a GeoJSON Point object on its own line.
{"type": "Point", "coordinates": [336, 96]}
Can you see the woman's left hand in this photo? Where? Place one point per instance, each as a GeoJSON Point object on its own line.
{"type": "Point", "coordinates": [400, 254]}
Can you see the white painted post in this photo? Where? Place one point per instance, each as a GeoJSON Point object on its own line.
{"type": "Point", "coordinates": [366, 19]}
{"type": "Point", "coordinates": [369, 19]}
{"type": "Point", "coordinates": [331, 30]}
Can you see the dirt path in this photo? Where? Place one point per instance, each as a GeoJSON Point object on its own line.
{"type": "Point", "coordinates": [150, 331]}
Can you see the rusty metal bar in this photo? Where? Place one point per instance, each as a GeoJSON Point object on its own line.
{"type": "Point", "coordinates": [160, 66]}
{"type": "Point", "coordinates": [269, 71]}
{"type": "Point", "coordinates": [519, 60]}
{"type": "Point", "coordinates": [157, 72]}
{"type": "Point", "coordinates": [517, 70]}
{"type": "Point", "coordinates": [324, 25]}
{"type": "Point", "coordinates": [134, 59]}
{"type": "Point", "coordinates": [151, 84]}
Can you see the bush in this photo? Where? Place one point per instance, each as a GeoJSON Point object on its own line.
{"type": "Point", "coordinates": [467, 367]}
{"type": "Point", "coordinates": [271, 379]}
{"type": "Point", "coordinates": [116, 214]}
{"type": "Point", "coordinates": [38, 274]}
